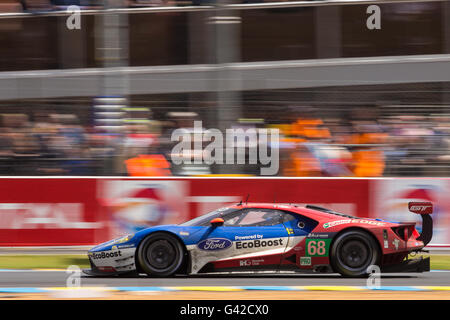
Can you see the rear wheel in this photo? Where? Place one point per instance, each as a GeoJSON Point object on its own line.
{"type": "Point", "coordinates": [160, 254]}
{"type": "Point", "coordinates": [353, 252]}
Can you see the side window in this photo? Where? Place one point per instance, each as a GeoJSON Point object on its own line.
{"type": "Point", "coordinates": [254, 218]}
{"type": "Point", "coordinates": [231, 219]}
{"type": "Point", "coordinates": [288, 217]}
{"type": "Point", "coordinates": [299, 222]}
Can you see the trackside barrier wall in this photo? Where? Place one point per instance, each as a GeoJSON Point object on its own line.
{"type": "Point", "coordinates": [60, 211]}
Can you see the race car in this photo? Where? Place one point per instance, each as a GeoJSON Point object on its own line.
{"type": "Point", "coordinates": [269, 237]}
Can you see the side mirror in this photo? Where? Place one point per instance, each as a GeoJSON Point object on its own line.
{"type": "Point", "coordinates": [217, 222]}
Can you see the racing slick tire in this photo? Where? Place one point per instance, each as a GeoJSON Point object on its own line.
{"type": "Point", "coordinates": [160, 254]}
{"type": "Point", "coordinates": [352, 252]}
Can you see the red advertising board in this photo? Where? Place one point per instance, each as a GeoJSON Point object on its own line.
{"type": "Point", "coordinates": [86, 211]}
{"type": "Point", "coordinates": [339, 194]}
{"type": "Point", "coordinates": [49, 211]}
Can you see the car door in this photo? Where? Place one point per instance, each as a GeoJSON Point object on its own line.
{"type": "Point", "coordinates": [299, 228]}
{"type": "Point", "coordinates": [250, 238]}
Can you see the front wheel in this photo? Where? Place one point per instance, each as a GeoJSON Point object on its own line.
{"type": "Point", "coordinates": [353, 252]}
{"type": "Point", "coordinates": [160, 255]}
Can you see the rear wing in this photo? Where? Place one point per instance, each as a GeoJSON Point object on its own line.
{"type": "Point", "coordinates": [425, 209]}
{"type": "Point", "coordinates": [421, 207]}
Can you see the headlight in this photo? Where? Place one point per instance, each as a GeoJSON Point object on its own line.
{"type": "Point", "coordinates": [123, 239]}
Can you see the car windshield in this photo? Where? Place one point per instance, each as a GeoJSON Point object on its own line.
{"type": "Point", "coordinates": [206, 218]}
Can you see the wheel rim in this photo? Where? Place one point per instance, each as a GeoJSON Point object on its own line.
{"type": "Point", "coordinates": [354, 254]}
{"type": "Point", "coordinates": [161, 254]}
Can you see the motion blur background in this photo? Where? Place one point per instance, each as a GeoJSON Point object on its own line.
{"type": "Point", "coordinates": [104, 99]}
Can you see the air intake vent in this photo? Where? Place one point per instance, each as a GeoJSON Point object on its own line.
{"type": "Point", "coordinates": [403, 233]}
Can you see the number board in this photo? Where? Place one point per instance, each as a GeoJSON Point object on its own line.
{"type": "Point", "coordinates": [317, 247]}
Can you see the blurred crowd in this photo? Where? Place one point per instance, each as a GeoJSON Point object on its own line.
{"type": "Point", "coordinates": [395, 145]}
{"type": "Point", "coordinates": [58, 144]}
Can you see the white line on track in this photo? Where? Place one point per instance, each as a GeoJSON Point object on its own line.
{"type": "Point", "coordinates": [270, 273]}
{"type": "Point", "coordinates": [32, 270]}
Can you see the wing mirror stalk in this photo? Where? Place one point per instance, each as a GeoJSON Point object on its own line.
{"type": "Point", "coordinates": [217, 222]}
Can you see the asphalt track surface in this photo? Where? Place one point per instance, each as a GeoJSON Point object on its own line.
{"type": "Point", "coordinates": [37, 278]}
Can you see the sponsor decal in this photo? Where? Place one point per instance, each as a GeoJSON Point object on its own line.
{"type": "Point", "coordinates": [305, 261]}
{"type": "Point", "coordinates": [214, 244]}
{"type": "Point", "coordinates": [252, 237]}
{"type": "Point", "coordinates": [135, 205]}
{"type": "Point", "coordinates": [183, 233]}
{"type": "Point", "coordinates": [320, 235]}
{"type": "Point", "coordinates": [44, 216]}
{"type": "Point", "coordinates": [259, 244]}
{"type": "Point", "coordinates": [107, 269]}
{"type": "Point", "coordinates": [105, 255]}
{"type": "Point", "coordinates": [385, 237]}
{"type": "Point", "coordinates": [290, 230]}
{"type": "Point", "coordinates": [257, 262]}
{"type": "Point", "coordinates": [250, 262]}
{"type": "Point", "coordinates": [396, 243]}
{"type": "Point", "coordinates": [317, 248]}
{"type": "Point", "coordinates": [282, 206]}
{"type": "Point", "coordinates": [245, 263]}
{"type": "Point", "coordinates": [362, 221]}
{"type": "Point", "coordinates": [421, 207]}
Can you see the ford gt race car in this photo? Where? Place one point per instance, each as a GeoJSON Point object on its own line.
{"type": "Point", "coordinates": [269, 237]}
